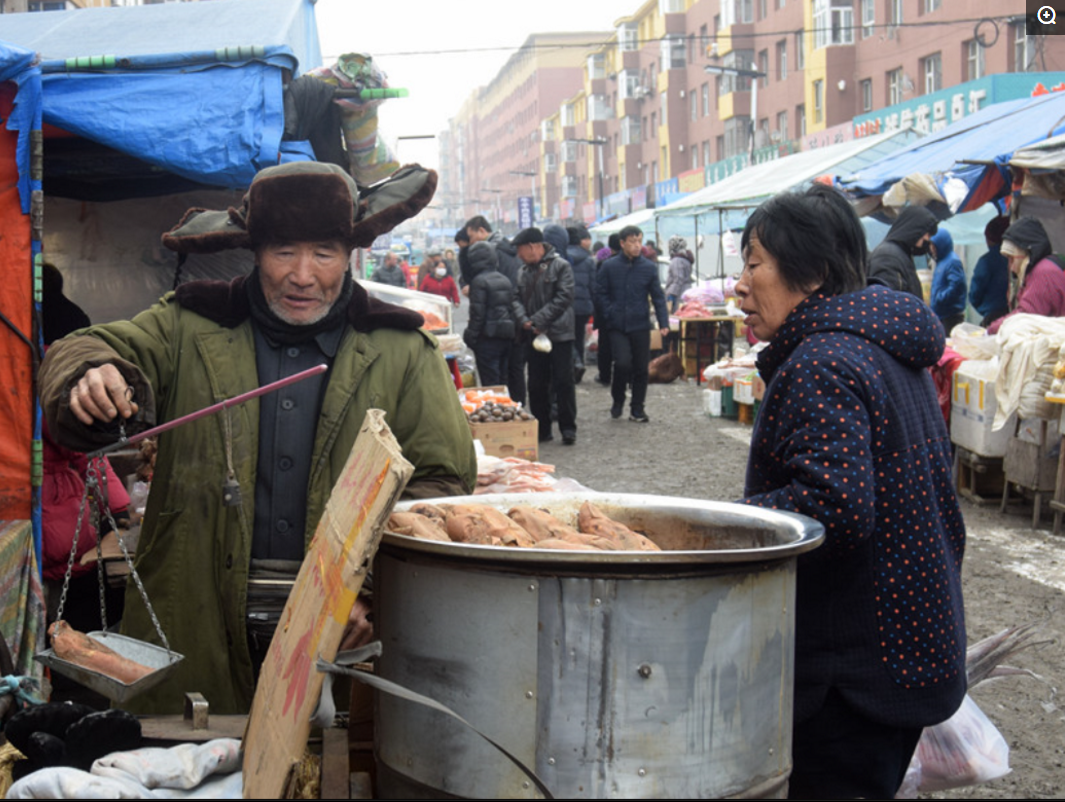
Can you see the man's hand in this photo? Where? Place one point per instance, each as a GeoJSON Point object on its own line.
{"type": "Point", "coordinates": [664, 332]}
{"type": "Point", "coordinates": [359, 630]}
{"type": "Point", "coordinates": [101, 394]}
{"type": "Point", "coordinates": [466, 290]}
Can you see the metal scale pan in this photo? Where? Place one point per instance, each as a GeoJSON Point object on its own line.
{"type": "Point", "coordinates": [161, 661]}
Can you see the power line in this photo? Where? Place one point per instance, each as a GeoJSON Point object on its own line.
{"type": "Point", "coordinates": [1008, 18]}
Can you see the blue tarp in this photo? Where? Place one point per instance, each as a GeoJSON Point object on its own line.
{"type": "Point", "coordinates": [192, 88]}
{"type": "Point", "coordinates": [990, 135]}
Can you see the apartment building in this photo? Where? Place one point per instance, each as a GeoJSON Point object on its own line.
{"type": "Point", "coordinates": [665, 105]}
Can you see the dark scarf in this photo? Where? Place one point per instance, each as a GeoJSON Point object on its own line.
{"type": "Point", "coordinates": [278, 330]}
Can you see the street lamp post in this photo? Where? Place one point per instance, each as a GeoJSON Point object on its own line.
{"type": "Point", "coordinates": [599, 143]}
{"type": "Point", "coordinates": [754, 75]}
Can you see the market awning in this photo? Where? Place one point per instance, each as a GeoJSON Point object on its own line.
{"type": "Point", "coordinates": [761, 181]}
{"type": "Point", "coordinates": [963, 166]}
{"type": "Point", "coordinates": [190, 89]}
{"type": "Point", "coordinates": [644, 219]}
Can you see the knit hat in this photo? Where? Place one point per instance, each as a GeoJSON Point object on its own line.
{"type": "Point", "coordinates": [527, 236]}
{"type": "Point", "coordinates": [677, 245]}
{"type": "Point", "coordinates": [306, 202]}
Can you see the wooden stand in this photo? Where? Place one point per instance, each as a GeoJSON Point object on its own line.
{"type": "Point", "coordinates": [979, 479]}
{"type": "Point", "coordinates": [702, 341]}
{"type": "Point", "coordinates": [1030, 472]}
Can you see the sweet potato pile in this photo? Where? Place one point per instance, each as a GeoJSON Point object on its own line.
{"type": "Point", "coordinates": [523, 526]}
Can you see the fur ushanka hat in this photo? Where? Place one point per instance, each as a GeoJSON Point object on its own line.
{"type": "Point", "coordinates": [306, 202]}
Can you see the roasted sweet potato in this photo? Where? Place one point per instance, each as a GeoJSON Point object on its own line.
{"type": "Point", "coordinates": [542, 525]}
{"type": "Point", "coordinates": [479, 523]}
{"type": "Point", "coordinates": [592, 521]}
{"type": "Point", "coordinates": [415, 525]}
{"type": "Point", "coordinates": [78, 648]}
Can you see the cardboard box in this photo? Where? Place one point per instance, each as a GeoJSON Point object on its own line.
{"type": "Point", "coordinates": [519, 438]}
{"type": "Point", "coordinates": [972, 411]}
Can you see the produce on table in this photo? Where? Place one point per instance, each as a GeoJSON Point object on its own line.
{"type": "Point", "coordinates": [526, 527]}
{"type": "Point", "coordinates": [498, 413]}
{"type": "Point", "coordinates": [81, 650]}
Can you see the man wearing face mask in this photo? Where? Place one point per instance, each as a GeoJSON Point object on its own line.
{"type": "Point", "coordinates": [891, 262]}
{"type": "Point", "coordinates": [439, 282]}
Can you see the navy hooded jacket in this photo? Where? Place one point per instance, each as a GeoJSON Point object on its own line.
{"type": "Point", "coordinates": [948, 295]}
{"type": "Point", "coordinates": [850, 434]}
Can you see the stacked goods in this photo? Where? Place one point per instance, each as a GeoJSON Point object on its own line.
{"type": "Point", "coordinates": [502, 426]}
{"type": "Point", "coordinates": [523, 526]}
{"type": "Point", "coordinates": [513, 475]}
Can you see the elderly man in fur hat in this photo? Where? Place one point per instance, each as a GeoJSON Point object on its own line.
{"type": "Point", "coordinates": [236, 497]}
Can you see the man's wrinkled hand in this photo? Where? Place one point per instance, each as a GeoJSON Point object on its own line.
{"type": "Point", "coordinates": [359, 629]}
{"type": "Point", "coordinates": [100, 395]}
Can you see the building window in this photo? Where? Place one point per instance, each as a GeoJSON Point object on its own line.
{"type": "Point", "coordinates": [974, 60]}
{"type": "Point", "coordinates": [695, 158]}
{"type": "Point", "coordinates": [628, 83]}
{"type": "Point", "coordinates": [694, 98]}
{"type": "Point", "coordinates": [895, 12]}
{"type": "Point", "coordinates": [569, 151]}
{"type": "Point", "coordinates": [569, 116]}
{"type": "Point", "coordinates": [737, 136]}
{"type": "Point", "coordinates": [932, 67]}
{"type": "Point", "coordinates": [547, 131]}
{"type": "Point", "coordinates": [720, 147]}
{"type": "Point", "coordinates": [782, 59]}
{"type": "Point", "coordinates": [763, 9]}
{"type": "Point", "coordinates": [597, 66]}
{"type": "Point", "coordinates": [736, 11]}
{"type": "Point", "coordinates": [671, 6]}
{"type": "Point", "coordinates": [654, 125]}
{"type": "Point", "coordinates": [705, 89]}
{"type": "Point", "coordinates": [763, 67]}
{"type": "Point", "coordinates": [867, 94]}
{"type": "Point", "coordinates": [868, 11]}
{"type": "Point", "coordinates": [782, 124]}
{"type": "Point", "coordinates": [599, 108]}
{"type": "Point", "coordinates": [654, 172]}
{"type": "Point", "coordinates": [932, 5]}
{"type": "Point", "coordinates": [800, 121]}
{"type": "Point", "coordinates": [673, 52]}
{"type": "Point", "coordinates": [630, 131]}
{"type": "Point", "coordinates": [550, 163]}
{"type": "Point", "coordinates": [662, 103]}
{"type": "Point", "coordinates": [894, 87]}
{"type": "Point", "coordinates": [643, 127]}
{"type": "Point", "coordinates": [800, 50]}
{"type": "Point", "coordinates": [819, 101]}
{"type": "Point", "coordinates": [1023, 49]}
{"type": "Point", "coordinates": [569, 186]}
{"type": "Point", "coordinates": [741, 60]}
{"type": "Point", "coordinates": [706, 153]}
{"type": "Point", "coordinates": [628, 36]}
{"type": "Point", "coordinates": [833, 23]}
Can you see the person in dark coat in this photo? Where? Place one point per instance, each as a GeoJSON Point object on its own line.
{"type": "Point", "coordinates": [584, 266]}
{"type": "Point", "coordinates": [462, 239]}
{"type": "Point", "coordinates": [891, 262]}
{"type": "Point", "coordinates": [59, 314]}
{"type": "Point", "coordinates": [947, 297]}
{"type": "Point", "coordinates": [545, 293]}
{"type": "Point", "coordinates": [604, 357]}
{"type": "Point", "coordinates": [1040, 279]}
{"type": "Point", "coordinates": [850, 434]}
{"type": "Point", "coordinates": [390, 272]}
{"type": "Point", "coordinates": [624, 287]}
{"type": "Point", "coordinates": [989, 289]}
{"type": "Point", "coordinates": [478, 229]}
{"type": "Point", "coordinates": [492, 326]}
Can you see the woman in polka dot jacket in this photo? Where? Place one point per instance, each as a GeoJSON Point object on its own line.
{"type": "Point", "coordinates": [849, 433]}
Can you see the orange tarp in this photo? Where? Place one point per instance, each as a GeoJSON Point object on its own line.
{"type": "Point", "coordinates": [16, 303]}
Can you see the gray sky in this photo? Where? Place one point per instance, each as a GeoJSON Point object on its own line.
{"type": "Point", "coordinates": [440, 81]}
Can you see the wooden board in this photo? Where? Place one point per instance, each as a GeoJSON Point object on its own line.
{"type": "Point", "coordinates": [317, 610]}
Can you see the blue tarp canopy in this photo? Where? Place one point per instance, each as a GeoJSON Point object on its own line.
{"type": "Point", "coordinates": [935, 169]}
{"type": "Point", "coordinates": [192, 89]}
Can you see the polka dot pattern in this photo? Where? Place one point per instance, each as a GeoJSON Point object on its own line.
{"type": "Point", "coordinates": [850, 433]}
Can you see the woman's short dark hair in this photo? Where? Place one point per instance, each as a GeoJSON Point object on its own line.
{"type": "Point", "coordinates": [816, 238]}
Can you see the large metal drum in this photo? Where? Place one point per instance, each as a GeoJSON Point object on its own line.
{"type": "Point", "coordinates": [636, 675]}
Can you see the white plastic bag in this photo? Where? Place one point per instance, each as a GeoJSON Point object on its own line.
{"type": "Point", "coordinates": [542, 343]}
{"type": "Point", "coordinates": [966, 749]}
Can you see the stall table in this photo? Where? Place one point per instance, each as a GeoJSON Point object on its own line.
{"type": "Point", "coordinates": [700, 342]}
